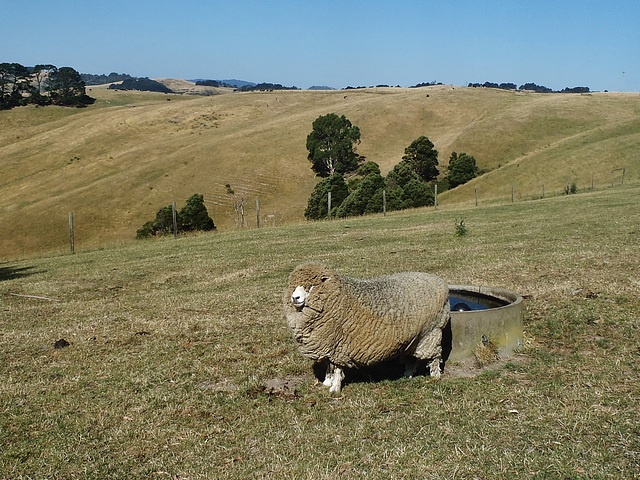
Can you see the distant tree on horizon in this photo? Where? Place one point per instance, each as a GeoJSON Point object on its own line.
{"type": "Point", "coordinates": [91, 79]}
{"type": "Point", "coordinates": [535, 88]}
{"type": "Point", "coordinates": [141, 84]}
{"type": "Point", "coordinates": [265, 87]}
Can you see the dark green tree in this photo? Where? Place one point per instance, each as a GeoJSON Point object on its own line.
{"type": "Point", "coordinates": [461, 169]}
{"type": "Point", "coordinates": [423, 158]}
{"type": "Point", "coordinates": [194, 216]}
{"type": "Point", "coordinates": [366, 198]}
{"type": "Point", "coordinates": [15, 85]}
{"type": "Point", "coordinates": [163, 224]}
{"type": "Point", "coordinates": [331, 145]}
{"type": "Point", "coordinates": [406, 189]}
{"type": "Point", "coordinates": [67, 88]}
{"type": "Point", "coordinates": [363, 171]}
{"type": "Point", "coordinates": [317, 204]}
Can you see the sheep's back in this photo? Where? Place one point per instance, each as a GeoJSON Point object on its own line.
{"type": "Point", "coordinates": [387, 315]}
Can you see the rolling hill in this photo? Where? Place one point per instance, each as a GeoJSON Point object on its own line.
{"type": "Point", "coordinates": [115, 163]}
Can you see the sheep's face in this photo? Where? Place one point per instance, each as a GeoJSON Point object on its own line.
{"type": "Point", "coordinates": [299, 297]}
{"type": "Point", "coordinates": [306, 287]}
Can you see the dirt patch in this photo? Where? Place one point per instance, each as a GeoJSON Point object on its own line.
{"type": "Point", "coordinates": [473, 367]}
{"type": "Point", "coordinates": [286, 387]}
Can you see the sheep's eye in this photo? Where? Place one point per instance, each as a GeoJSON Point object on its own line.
{"type": "Point", "coordinates": [325, 278]}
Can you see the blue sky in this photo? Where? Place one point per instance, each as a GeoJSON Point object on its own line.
{"type": "Point", "coordinates": [554, 43]}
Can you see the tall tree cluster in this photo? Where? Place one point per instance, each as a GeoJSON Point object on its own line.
{"type": "Point", "coordinates": [331, 146]}
{"type": "Point", "coordinates": [41, 85]}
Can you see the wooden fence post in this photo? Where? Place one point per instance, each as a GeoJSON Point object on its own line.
{"type": "Point", "coordinates": [476, 191]}
{"type": "Point", "coordinates": [258, 211]}
{"type": "Point", "coordinates": [71, 234]}
{"type": "Point", "coordinates": [329, 205]}
{"type": "Point", "coordinates": [512, 197]}
{"type": "Point", "coordinates": [435, 196]}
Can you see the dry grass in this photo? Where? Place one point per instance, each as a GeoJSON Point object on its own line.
{"type": "Point", "coordinates": [117, 162]}
{"type": "Point", "coordinates": [172, 344]}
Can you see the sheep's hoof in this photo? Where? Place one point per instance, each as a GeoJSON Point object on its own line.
{"type": "Point", "coordinates": [336, 380]}
{"type": "Point", "coordinates": [434, 369]}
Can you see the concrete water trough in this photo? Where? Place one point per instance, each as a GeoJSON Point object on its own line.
{"type": "Point", "coordinates": [480, 315]}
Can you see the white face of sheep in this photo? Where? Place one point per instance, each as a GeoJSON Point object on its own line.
{"type": "Point", "coordinates": [299, 296]}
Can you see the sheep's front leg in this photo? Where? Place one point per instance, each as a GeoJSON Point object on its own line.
{"type": "Point", "coordinates": [434, 368]}
{"type": "Point", "coordinates": [334, 378]}
{"type": "Point", "coordinates": [336, 381]}
{"type": "Point", "coordinates": [328, 378]}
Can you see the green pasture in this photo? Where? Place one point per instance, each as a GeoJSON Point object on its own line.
{"type": "Point", "coordinates": [173, 345]}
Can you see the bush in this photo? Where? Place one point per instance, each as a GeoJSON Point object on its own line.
{"type": "Point", "coordinates": [193, 217]}
{"type": "Point", "coordinates": [461, 228]}
{"type": "Point", "coordinates": [462, 168]}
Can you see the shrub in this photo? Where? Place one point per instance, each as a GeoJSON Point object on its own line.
{"type": "Point", "coordinates": [461, 228]}
{"type": "Point", "coordinates": [192, 217]}
{"type": "Point", "coordinates": [462, 168]}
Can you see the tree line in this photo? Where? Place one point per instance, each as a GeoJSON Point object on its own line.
{"type": "Point", "coordinates": [41, 85]}
{"type": "Point", "coordinates": [265, 87]}
{"type": "Point", "coordinates": [142, 84]}
{"type": "Point", "coordinates": [532, 87]}
{"type": "Point", "coordinates": [101, 79]}
{"type": "Point", "coordinates": [357, 186]}
{"type": "Point", "coordinates": [214, 83]}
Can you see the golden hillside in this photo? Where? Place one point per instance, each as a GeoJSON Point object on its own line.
{"type": "Point", "coordinates": [115, 163]}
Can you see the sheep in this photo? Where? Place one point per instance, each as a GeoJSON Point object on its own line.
{"type": "Point", "coordinates": [346, 322]}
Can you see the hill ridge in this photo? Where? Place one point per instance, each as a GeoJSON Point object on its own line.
{"type": "Point", "coordinates": [118, 161]}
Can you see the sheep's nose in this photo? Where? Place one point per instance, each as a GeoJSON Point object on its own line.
{"type": "Point", "coordinates": [298, 297]}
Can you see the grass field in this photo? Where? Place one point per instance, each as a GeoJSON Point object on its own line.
{"type": "Point", "coordinates": [173, 345]}
{"type": "Point", "coordinates": [117, 162]}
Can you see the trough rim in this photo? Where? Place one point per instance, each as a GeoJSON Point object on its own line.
{"type": "Point", "coordinates": [513, 298]}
